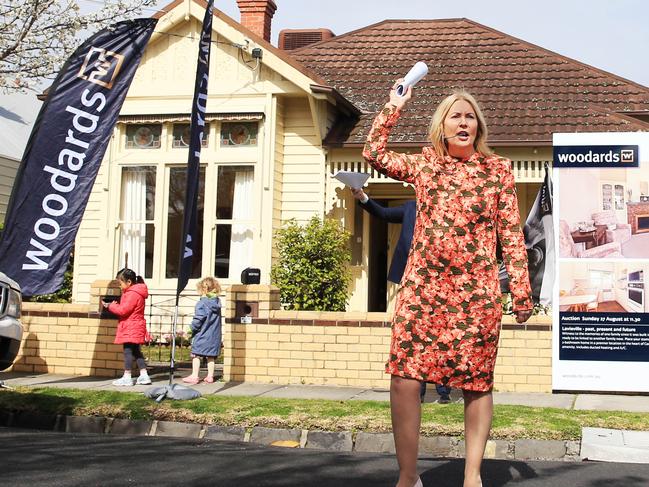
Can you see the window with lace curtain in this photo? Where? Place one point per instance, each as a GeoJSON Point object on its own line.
{"type": "Point", "coordinates": [136, 223]}
{"type": "Point", "coordinates": [234, 221]}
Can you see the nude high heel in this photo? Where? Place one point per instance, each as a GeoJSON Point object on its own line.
{"type": "Point", "coordinates": [418, 483]}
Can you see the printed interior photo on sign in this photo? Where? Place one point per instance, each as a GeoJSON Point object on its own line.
{"type": "Point", "coordinates": [603, 286]}
{"type": "Point", "coordinates": [604, 213]}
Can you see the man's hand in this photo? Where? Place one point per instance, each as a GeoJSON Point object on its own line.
{"type": "Point", "coordinates": [359, 194]}
{"type": "Point", "coordinates": [523, 316]}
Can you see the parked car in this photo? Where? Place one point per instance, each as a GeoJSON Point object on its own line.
{"type": "Point", "coordinates": [11, 329]}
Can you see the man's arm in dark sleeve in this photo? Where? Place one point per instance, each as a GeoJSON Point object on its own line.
{"type": "Point", "coordinates": [391, 215]}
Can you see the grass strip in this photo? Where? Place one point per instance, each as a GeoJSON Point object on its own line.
{"type": "Point", "coordinates": [510, 422]}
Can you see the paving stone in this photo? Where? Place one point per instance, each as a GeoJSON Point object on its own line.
{"type": "Point", "coordinates": [172, 428]}
{"type": "Point", "coordinates": [225, 433]}
{"type": "Point", "coordinates": [535, 399]}
{"type": "Point", "coordinates": [286, 443]}
{"type": "Point", "coordinates": [612, 402]}
{"type": "Point", "coordinates": [573, 447]}
{"type": "Point", "coordinates": [314, 392]}
{"type": "Point", "coordinates": [130, 427]}
{"type": "Point", "coordinates": [539, 450]}
{"type": "Point", "coordinates": [374, 442]}
{"type": "Point", "coordinates": [266, 436]}
{"type": "Point", "coordinates": [435, 446]}
{"type": "Point", "coordinates": [33, 421]}
{"type": "Point", "coordinates": [497, 449]}
{"type": "Point", "coordinates": [327, 440]}
{"type": "Point", "coordinates": [460, 449]}
{"type": "Point", "coordinates": [84, 424]}
{"type": "Point", "coordinates": [609, 445]}
{"type": "Point", "coordinates": [246, 389]}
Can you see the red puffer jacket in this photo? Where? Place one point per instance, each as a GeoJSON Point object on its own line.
{"type": "Point", "coordinates": [130, 311]}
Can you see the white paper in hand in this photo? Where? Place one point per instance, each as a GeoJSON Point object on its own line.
{"type": "Point", "coordinates": [414, 76]}
{"type": "Point", "coordinates": [352, 179]}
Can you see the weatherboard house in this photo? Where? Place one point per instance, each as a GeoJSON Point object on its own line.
{"type": "Point", "coordinates": [280, 122]}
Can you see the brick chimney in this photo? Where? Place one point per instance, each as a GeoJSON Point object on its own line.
{"type": "Point", "coordinates": [256, 15]}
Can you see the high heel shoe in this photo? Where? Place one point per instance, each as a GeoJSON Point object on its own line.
{"type": "Point", "coordinates": [418, 483]}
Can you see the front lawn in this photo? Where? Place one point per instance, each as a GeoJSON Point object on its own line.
{"type": "Point", "coordinates": [510, 422]}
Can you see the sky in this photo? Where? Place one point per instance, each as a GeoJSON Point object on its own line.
{"type": "Point", "coordinates": [612, 35]}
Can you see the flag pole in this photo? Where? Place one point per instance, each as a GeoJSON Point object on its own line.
{"type": "Point", "coordinates": [172, 358]}
{"type": "Point", "coordinates": [188, 242]}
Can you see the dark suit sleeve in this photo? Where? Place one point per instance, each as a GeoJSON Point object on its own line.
{"type": "Point", "coordinates": [391, 215]}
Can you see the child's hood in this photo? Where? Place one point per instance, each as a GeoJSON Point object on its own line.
{"type": "Point", "coordinates": [214, 304]}
{"type": "Point", "coordinates": [140, 288]}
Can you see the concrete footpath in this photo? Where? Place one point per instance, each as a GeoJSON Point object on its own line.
{"type": "Point", "coordinates": [597, 444]}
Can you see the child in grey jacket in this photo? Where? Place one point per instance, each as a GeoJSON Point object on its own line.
{"type": "Point", "coordinates": [206, 328]}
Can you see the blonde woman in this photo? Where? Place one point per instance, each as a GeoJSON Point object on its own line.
{"type": "Point", "coordinates": [447, 316]}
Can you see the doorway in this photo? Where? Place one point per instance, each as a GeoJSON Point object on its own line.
{"type": "Point", "coordinates": [377, 268]}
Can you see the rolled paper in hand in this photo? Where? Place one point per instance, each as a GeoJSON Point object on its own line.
{"type": "Point", "coordinates": [416, 73]}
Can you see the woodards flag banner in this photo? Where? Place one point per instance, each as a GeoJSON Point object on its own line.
{"type": "Point", "coordinates": [64, 153]}
{"type": "Point", "coordinates": [197, 133]}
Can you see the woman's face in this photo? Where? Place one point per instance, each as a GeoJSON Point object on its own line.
{"type": "Point", "coordinates": [461, 129]}
{"type": "Point", "coordinates": [124, 284]}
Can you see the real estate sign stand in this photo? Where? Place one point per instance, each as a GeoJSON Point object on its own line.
{"type": "Point", "coordinates": [601, 312]}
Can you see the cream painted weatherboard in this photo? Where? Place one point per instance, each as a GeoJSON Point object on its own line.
{"type": "Point", "coordinates": [289, 162]}
{"type": "Point", "coordinates": [292, 170]}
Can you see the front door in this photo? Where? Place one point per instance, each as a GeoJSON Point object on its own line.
{"type": "Point", "coordinates": [377, 268]}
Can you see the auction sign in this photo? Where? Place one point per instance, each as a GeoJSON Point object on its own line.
{"type": "Point", "coordinates": [601, 307]}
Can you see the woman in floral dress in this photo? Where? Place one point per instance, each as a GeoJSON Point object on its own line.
{"type": "Point", "coordinates": [447, 315]}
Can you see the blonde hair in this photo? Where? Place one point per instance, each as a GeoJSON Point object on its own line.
{"type": "Point", "coordinates": [436, 129]}
{"type": "Point", "coordinates": [208, 285]}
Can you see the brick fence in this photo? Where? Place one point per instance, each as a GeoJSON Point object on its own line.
{"type": "Point", "coordinates": [270, 345]}
{"type": "Point", "coordinates": [70, 338]}
{"type": "Point", "coordinates": [266, 344]}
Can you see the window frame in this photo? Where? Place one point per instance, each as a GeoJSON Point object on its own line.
{"type": "Point", "coordinates": [162, 160]}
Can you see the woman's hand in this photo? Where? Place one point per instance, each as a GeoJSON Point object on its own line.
{"type": "Point", "coordinates": [399, 101]}
{"type": "Point", "coordinates": [523, 316]}
{"type": "Point", "coordinates": [105, 304]}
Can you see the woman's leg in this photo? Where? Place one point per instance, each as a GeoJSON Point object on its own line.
{"type": "Point", "coordinates": [406, 420]}
{"type": "Point", "coordinates": [478, 412]}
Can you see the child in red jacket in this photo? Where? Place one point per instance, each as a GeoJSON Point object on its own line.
{"type": "Point", "coordinates": [131, 328]}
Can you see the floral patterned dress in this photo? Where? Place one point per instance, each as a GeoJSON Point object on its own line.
{"type": "Point", "coordinates": [448, 310]}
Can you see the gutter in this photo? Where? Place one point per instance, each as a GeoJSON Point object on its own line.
{"type": "Point", "coordinates": [421, 143]}
{"type": "Point", "coordinates": [348, 107]}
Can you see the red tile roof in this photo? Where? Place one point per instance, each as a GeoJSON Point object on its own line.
{"type": "Point", "coordinates": [526, 92]}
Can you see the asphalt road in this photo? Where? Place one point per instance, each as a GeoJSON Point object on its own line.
{"type": "Point", "coordinates": [46, 459]}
